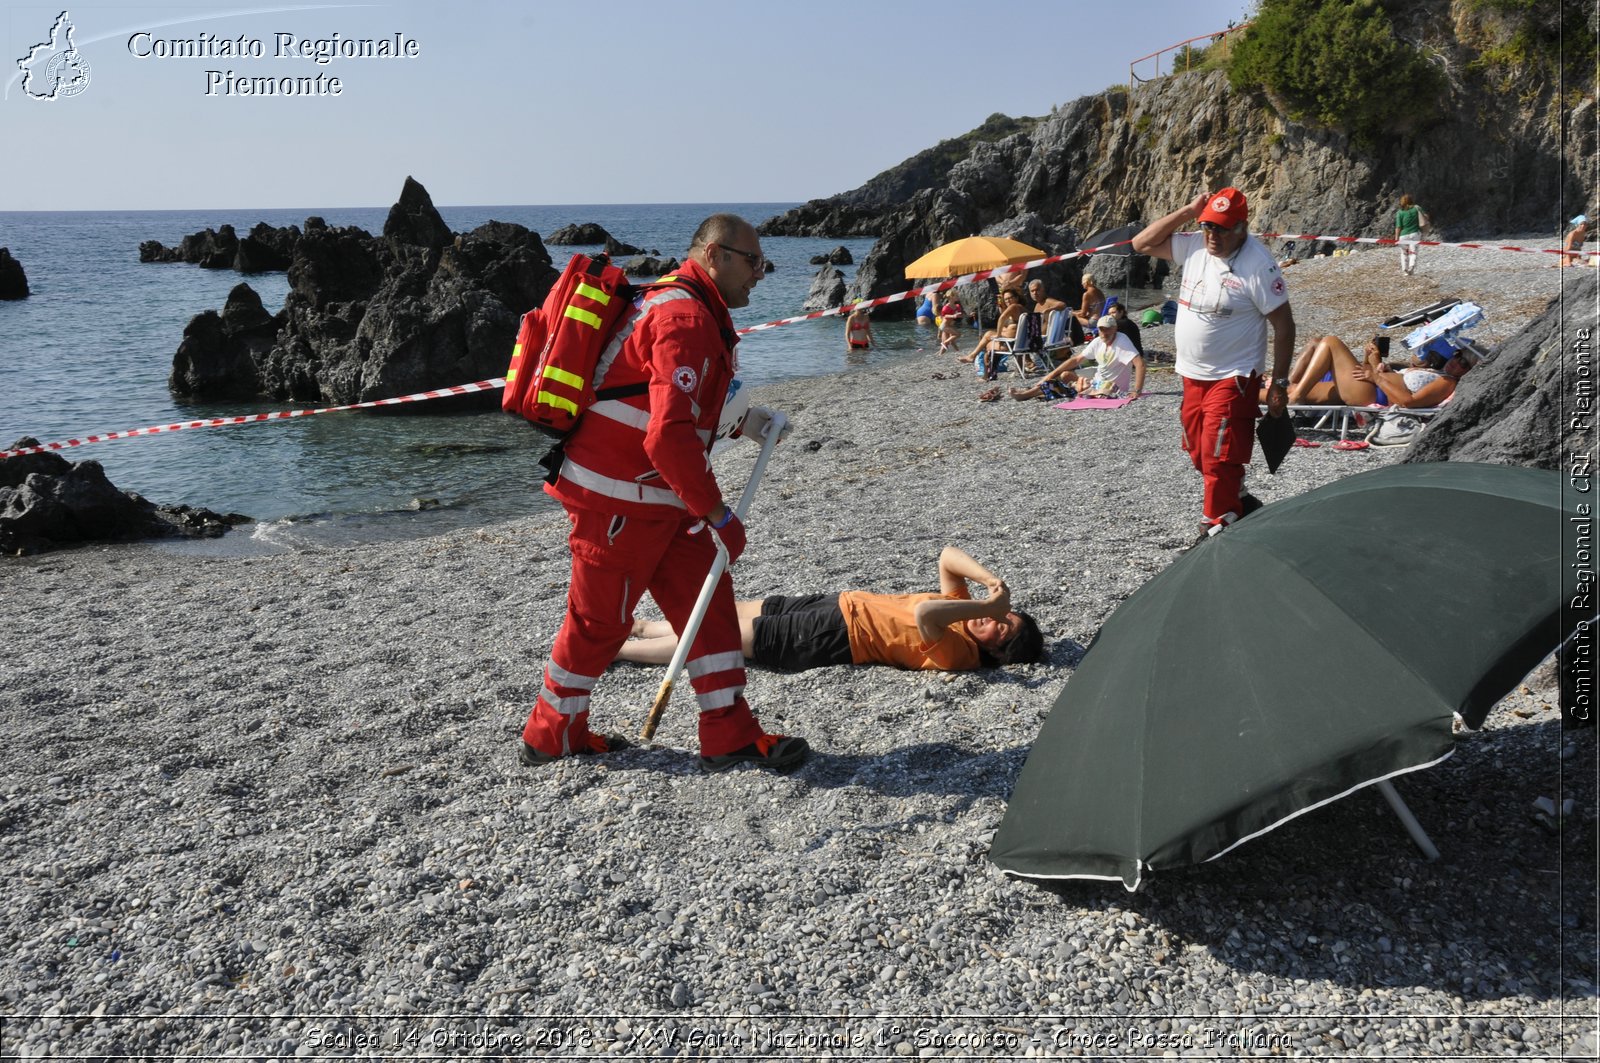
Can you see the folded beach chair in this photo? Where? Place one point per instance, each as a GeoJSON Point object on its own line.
{"type": "Point", "coordinates": [1055, 338]}
{"type": "Point", "coordinates": [1420, 315]}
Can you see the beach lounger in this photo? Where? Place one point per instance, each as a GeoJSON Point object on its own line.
{"type": "Point", "coordinates": [1340, 418]}
{"type": "Point", "coordinates": [1359, 417]}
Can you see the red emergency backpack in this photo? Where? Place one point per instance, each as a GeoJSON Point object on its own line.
{"type": "Point", "coordinates": [551, 377]}
{"type": "Point", "coordinates": [569, 332]}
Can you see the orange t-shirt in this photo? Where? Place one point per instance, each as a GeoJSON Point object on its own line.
{"type": "Point", "coordinates": [883, 630]}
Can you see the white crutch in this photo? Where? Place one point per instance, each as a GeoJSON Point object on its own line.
{"type": "Point", "coordinates": [775, 428]}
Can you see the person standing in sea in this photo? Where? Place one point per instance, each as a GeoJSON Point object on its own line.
{"type": "Point", "coordinates": [643, 503]}
{"type": "Point", "coordinates": [1231, 290]}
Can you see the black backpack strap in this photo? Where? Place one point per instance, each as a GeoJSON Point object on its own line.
{"type": "Point", "coordinates": [622, 391]}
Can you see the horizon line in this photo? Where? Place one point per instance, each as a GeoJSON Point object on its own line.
{"type": "Point", "coordinates": [437, 206]}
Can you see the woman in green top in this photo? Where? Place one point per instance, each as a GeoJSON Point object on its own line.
{"type": "Point", "coordinates": [1408, 223]}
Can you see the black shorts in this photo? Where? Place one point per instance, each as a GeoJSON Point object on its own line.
{"type": "Point", "coordinates": [796, 632]}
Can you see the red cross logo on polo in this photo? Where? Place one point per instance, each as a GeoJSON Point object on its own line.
{"type": "Point", "coordinates": [685, 379]}
{"type": "Point", "coordinates": [1277, 286]}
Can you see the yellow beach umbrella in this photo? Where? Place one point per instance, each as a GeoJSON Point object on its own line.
{"type": "Point", "coordinates": [971, 254]}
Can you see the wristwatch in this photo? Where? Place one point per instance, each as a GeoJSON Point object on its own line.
{"type": "Point", "coordinates": [1281, 382]}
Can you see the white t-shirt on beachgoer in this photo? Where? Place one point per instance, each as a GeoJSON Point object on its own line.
{"type": "Point", "coordinates": [1113, 363]}
{"type": "Point", "coordinates": [1222, 307]}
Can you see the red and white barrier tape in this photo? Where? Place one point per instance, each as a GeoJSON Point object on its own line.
{"type": "Point", "coordinates": [254, 418]}
{"type": "Point", "coordinates": [499, 382]}
{"type": "Point", "coordinates": [944, 285]}
{"type": "Point", "coordinates": [1390, 241]}
{"type": "Point", "coordinates": [837, 311]}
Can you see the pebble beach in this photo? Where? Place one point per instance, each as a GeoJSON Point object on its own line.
{"type": "Point", "coordinates": [270, 807]}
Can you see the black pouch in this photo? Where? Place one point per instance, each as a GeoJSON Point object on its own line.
{"type": "Point", "coordinates": [552, 461]}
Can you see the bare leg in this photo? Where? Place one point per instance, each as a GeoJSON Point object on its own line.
{"type": "Point", "coordinates": [654, 641]}
{"type": "Point", "coordinates": [1349, 390]}
{"type": "Point", "coordinates": [650, 629]}
{"type": "Point", "coordinates": [973, 355]}
{"type": "Point", "coordinates": [649, 650]}
{"type": "Point", "coordinates": [1315, 362]}
{"type": "Point", "coordinates": [1297, 370]}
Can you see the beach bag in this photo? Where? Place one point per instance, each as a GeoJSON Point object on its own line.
{"type": "Point", "coordinates": [1395, 428]}
{"type": "Point", "coordinates": [985, 370]}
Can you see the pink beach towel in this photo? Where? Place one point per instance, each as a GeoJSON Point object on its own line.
{"type": "Point", "coordinates": [1093, 404]}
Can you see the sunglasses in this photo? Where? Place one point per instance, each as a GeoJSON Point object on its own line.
{"type": "Point", "coordinates": [755, 260]}
{"type": "Point", "coordinates": [1214, 227]}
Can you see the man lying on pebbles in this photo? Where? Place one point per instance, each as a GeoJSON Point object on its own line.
{"type": "Point", "coordinates": [948, 631]}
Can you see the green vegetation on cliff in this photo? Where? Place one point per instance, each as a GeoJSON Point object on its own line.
{"type": "Point", "coordinates": [1337, 64]}
{"type": "Point", "coordinates": [1552, 39]}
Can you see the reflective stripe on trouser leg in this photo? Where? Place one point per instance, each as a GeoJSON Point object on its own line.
{"type": "Point", "coordinates": [611, 565]}
{"type": "Point", "coordinates": [716, 665]}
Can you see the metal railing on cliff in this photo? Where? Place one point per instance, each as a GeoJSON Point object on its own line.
{"type": "Point", "coordinates": [1187, 57]}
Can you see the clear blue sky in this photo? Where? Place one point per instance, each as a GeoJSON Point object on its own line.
{"type": "Point", "coordinates": [544, 102]}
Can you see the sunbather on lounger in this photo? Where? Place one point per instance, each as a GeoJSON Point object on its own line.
{"type": "Point", "coordinates": [948, 631]}
{"type": "Point", "coordinates": [1326, 373]}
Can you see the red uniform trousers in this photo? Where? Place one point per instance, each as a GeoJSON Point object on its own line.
{"type": "Point", "coordinates": [615, 559]}
{"type": "Point", "coordinates": [1218, 418]}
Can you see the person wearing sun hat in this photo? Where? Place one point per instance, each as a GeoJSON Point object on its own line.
{"type": "Point", "coordinates": [1231, 290]}
{"type": "Point", "coordinates": [1572, 248]}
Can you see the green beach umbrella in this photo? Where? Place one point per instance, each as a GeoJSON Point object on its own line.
{"type": "Point", "coordinates": [1289, 661]}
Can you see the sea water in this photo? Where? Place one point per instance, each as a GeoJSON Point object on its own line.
{"type": "Point", "coordinates": [91, 349]}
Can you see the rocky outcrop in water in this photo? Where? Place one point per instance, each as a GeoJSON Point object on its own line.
{"type": "Point", "coordinates": [648, 266]}
{"type": "Point", "coordinates": [839, 256]}
{"type": "Point", "coordinates": [266, 249]}
{"type": "Point", "coordinates": [860, 212]}
{"type": "Point", "coordinates": [618, 249]}
{"type": "Point", "coordinates": [220, 354]}
{"type": "Point", "coordinates": [827, 290]}
{"type": "Point", "coordinates": [587, 233]}
{"type": "Point", "coordinates": [13, 281]}
{"type": "Point", "coordinates": [47, 502]}
{"type": "Point", "coordinates": [366, 317]}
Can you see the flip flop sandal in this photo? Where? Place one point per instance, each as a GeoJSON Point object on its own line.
{"type": "Point", "coordinates": [989, 396]}
{"type": "Point", "coordinates": [1351, 444]}
{"type": "Point", "coordinates": [1305, 443]}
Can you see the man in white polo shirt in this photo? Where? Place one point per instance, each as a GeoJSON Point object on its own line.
{"type": "Point", "coordinates": [1231, 289]}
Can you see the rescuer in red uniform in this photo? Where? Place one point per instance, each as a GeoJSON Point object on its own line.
{"type": "Point", "coordinates": [642, 501]}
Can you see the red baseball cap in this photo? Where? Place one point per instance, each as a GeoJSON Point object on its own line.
{"type": "Point", "coordinates": [1226, 207]}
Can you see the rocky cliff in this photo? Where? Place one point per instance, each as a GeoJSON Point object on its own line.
{"type": "Point", "coordinates": [1512, 150]}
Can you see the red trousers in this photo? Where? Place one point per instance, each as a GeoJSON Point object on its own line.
{"type": "Point", "coordinates": [1219, 418]}
{"type": "Point", "coordinates": [615, 560]}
